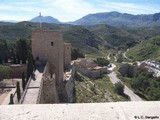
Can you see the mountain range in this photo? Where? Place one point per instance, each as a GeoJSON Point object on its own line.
{"type": "Point", "coordinates": [109, 18]}
{"type": "Point", "coordinates": [120, 19]}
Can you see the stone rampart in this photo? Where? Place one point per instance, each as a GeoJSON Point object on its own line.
{"type": "Point", "coordinates": [88, 111]}
{"type": "Point", "coordinates": [70, 83]}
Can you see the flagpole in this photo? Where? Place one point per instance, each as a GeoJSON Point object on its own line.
{"type": "Point", "coordinates": [40, 19]}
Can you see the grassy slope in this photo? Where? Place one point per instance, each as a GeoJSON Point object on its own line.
{"type": "Point", "coordinates": [146, 50]}
{"type": "Point", "coordinates": [83, 39]}
{"type": "Point", "coordinates": [123, 37]}
{"type": "Point", "coordinates": [79, 37]}
{"type": "Point", "coordinates": [88, 90]}
{"type": "Point", "coordinates": [94, 41]}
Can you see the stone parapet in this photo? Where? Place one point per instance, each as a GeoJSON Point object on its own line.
{"type": "Point", "coordinates": [89, 111]}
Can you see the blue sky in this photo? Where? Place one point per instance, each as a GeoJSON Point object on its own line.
{"type": "Point", "coordinates": [70, 10]}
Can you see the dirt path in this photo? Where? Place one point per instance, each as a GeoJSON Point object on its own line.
{"type": "Point", "coordinates": [124, 55]}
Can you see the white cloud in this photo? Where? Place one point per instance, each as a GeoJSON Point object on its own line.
{"type": "Point", "coordinates": [128, 7]}
{"type": "Point", "coordinates": [26, 3]}
{"type": "Point", "coordinates": [13, 17]}
{"type": "Point", "coordinates": [68, 10]}
{"type": "Point", "coordinates": [74, 9]}
{"type": "Point", "coordinates": [5, 7]}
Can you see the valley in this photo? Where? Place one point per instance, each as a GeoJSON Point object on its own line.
{"type": "Point", "coordinates": [120, 45]}
{"type": "Point", "coordinates": [79, 60]}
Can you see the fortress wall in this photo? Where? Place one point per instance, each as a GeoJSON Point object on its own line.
{"type": "Point", "coordinates": [48, 46]}
{"type": "Point", "coordinates": [88, 111]}
{"type": "Point", "coordinates": [67, 55]}
{"type": "Point", "coordinates": [70, 84]}
{"type": "Point", "coordinates": [40, 93]}
{"type": "Point", "coordinates": [47, 90]}
{"type": "Point", "coordinates": [89, 72]}
{"type": "Point", "coordinates": [60, 60]}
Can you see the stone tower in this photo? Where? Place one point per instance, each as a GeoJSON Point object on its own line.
{"type": "Point", "coordinates": [48, 47]}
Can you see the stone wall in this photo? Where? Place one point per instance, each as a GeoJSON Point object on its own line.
{"type": "Point", "coordinates": [47, 91]}
{"type": "Point", "coordinates": [87, 111]}
{"type": "Point", "coordinates": [67, 55]}
{"type": "Point", "coordinates": [90, 72]}
{"type": "Point", "coordinates": [48, 46]}
{"type": "Point", "coordinates": [17, 70]}
{"type": "Point", "coordinates": [70, 83]}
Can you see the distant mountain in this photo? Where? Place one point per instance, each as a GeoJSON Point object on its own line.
{"type": "Point", "coordinates": [46, 19]}
{"type": "Point", "coordinates": [9, 21]}
{"type": "Point", "coordinates": [120, 19]}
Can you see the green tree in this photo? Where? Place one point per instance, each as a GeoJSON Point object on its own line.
{"type": "Point", "coordinates": [76, 54]}
{"type": "Point", "coordinates": [23, 81]}
{"type": "Point", "coordinates": [18, 91]}
{"type": "Point", "coordinates": [12, 49]}
{"type": "Point", "coordinates": [128, 70]}
{"type": "Point", "coordinates": [4, 72]}
{"type": "Point", "coordinates": [11, 100]}
{"type": "Point", "coordinates": [119, 88]}
{"type": "Point", "coordinates": [102, 62]}
{"type": "Point", "coordinates": [4, 51]}
{"type": "Point", "coordinates": [22, 50]}
{"type": "Point", "coordinates": [120, 58]}
{"type": "Point", "coordinates": [30, 65]}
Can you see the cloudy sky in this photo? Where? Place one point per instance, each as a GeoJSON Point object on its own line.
{"type": "Point", "coordinates": [70, 10]}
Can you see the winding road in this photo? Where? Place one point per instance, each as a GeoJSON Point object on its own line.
{"type": "Point", "coordinates": [114, 79]}
{"type": "Point", "coordinates": [124, 55]}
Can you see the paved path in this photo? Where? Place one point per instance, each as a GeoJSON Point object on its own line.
{"type": "Point", "coordinates": [114, 79]}
{"type": "Point", "coordinates": [7, 98]}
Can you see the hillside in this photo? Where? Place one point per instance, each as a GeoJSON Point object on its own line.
{"type": "Point", "coordinates": [149, 49]}
{"type": "Point", "coordinates": [120, 19]}
{"type": "Point", "coordinates": [79, 37]}
{"type": "Point", "coordinates": [84, 40]}
{"type": "Point", "coordinates": [91, 40]}
{"type": "Point", "coordinates": [99, 90]}
{"type": "Point", "coordinates": [124, 37]}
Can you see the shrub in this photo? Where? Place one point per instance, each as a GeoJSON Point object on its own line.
{"type": "Point", "coordinates": [4, 72]}
{"type": "Point", "coordinates": [101, 62]}
{"type": "Point", "coordinates": [11, 100]}
{"type": "Point", "coordinates": [76, 54]}
{"type": "Point", "coordinates": [18, 91]}
{"type": "Point", "coordinates": [119, 88]}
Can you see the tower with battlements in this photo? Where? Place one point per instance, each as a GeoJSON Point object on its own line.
{"type": "Point", "coordinates": [48, 48]}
